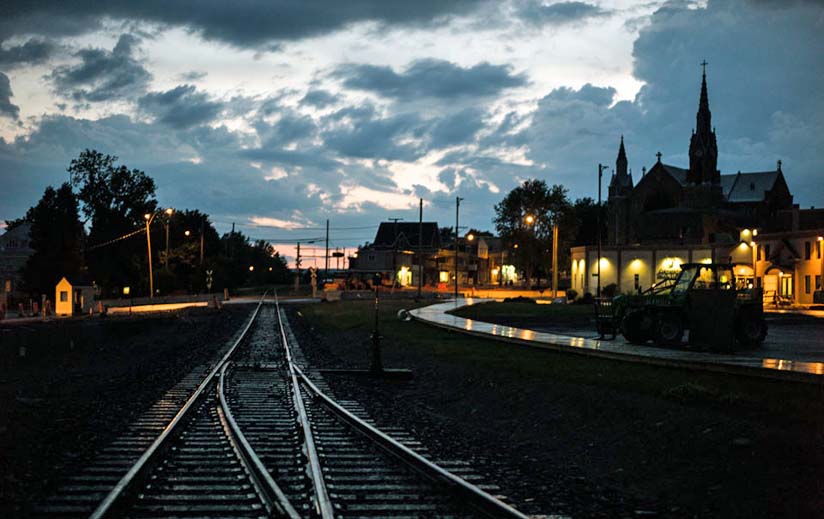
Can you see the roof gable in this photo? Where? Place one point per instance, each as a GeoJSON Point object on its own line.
{"type": "Point", "coordinates": [748, 187]}
{"type": "Point", "coordinates": [406, 234]}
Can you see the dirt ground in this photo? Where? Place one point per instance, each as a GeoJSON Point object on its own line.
{"type": "Point", "coordinates": [583, 437]}
{"type": "Point", "coordinates": [81, 382]}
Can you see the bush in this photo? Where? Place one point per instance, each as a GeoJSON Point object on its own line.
{"type": "Point", "coordinates": [609, 290]}
{"type": "Point", "coordinates": [571, 294]}
{"type": "Point", "coordinates": [519, 299]}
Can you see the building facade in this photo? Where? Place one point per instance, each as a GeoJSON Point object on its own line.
{"type": "Point", "coordinates": [15, 249]}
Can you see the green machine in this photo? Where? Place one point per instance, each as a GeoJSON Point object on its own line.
{"type": "Point", "coordinates": [720, 312]}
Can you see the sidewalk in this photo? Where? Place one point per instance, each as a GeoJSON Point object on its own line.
{"type": "Point", "coordinates": [748, 363]}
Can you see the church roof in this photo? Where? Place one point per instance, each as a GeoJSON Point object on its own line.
{"type": "Point", "coordinates": [679, 174]}
{"type": "Point", "coordinates": [748, 187]}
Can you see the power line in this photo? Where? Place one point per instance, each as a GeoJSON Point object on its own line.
{"type": "Point", "coordinates": [119, 238]}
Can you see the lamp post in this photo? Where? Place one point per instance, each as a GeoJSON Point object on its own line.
{"type": "Point", "coordinates": [168, 212]}
{"type": "Point", "coordinates": [149, 217]}
{"type": "Point", "coordinates": [530, 220]}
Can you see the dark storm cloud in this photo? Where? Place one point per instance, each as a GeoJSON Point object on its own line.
{"type": "Point", "coordinates": [103, 75]}
{"type": "Point", "coordinates": [431, 78]}
{"type": "Point", "coordinates": [194, 75]}
{"type": "Point", "coordinates": [457, 128]}
{"type": "Point", "coordinates": [319, 98]}
{"type": "Point", "coordinates": [7, 109]}
{"type": "Point", "coordinates": [244, 23]}
{"type": "Point", "coordinates": [32, 52]}
{"type": "Point", "coordinates": [180, 107]}
{"type": "Point", "coordinates": [560, 13]}
{"type": "Point", "coordinates": [370, 136]}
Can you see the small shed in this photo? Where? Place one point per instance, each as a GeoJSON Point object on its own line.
{"type": "Point", "coordinates": [74, 295]}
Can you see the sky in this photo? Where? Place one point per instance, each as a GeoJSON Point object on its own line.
{"type": "Point", "coordinates": [279, 115]}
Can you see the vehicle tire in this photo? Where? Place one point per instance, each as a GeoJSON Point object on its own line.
{"type": "Point", "coordinates": [636, 327]}
{"type": "Point", "coordinates": [750, 330]}
{"type": "Point", "coordinates": [669, 330]}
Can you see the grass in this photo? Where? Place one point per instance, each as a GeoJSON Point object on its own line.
{"type": "Point", "coordinates": [733, 393]}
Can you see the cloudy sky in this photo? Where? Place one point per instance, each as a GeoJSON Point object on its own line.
{"type": "Point", "coordinates": [280, 115]}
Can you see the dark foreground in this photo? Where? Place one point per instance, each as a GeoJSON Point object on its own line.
{"type": "Point", "coordinates": [566, 434]}
{"type": "Point", "coordinates": [80, 383]}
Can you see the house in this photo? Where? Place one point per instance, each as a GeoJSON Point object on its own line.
{"type": "Point", "coordinates": [74, 295]}
{"type": "Point", "coordinates": [400, 252]}
{"type": "Point", "coordinates": [15, 249]}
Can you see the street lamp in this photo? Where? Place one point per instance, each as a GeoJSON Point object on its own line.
{"type": "Point", "coordinates": [149, 217]}
{"type": "Point", "coordinates": [168, 212]}
{"type": "Point", "coordinates": [529, 219]}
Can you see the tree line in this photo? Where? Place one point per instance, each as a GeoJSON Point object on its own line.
{"type": "Point", "coordinates": [95, 226]}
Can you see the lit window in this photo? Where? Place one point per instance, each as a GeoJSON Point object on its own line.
{"type": "Point", "coordinates": [64, 296]}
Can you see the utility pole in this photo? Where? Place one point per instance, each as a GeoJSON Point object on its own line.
{"type": "Point", "coordinates": [326, 266]}
{"type": "Point", "coordinates": [420, 247]}
{"type": "Point", "coordinates": [202, 230]}
{"type": "Point", "coordinates": [457, 212]}
{"type": "Point", "coordinates": [297, 268]}
{"type": "Point", "coordinates": [598, 220]}
{"type": "Point", "coordinates": [554, 260]}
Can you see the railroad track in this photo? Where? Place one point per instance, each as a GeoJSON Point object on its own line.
{"type": "Point", "coordinates": [261, 437]}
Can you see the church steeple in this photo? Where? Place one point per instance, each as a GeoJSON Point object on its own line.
{"type": "Point", "coordinates": [621, 183]}
{"type": "Point", "coordinates": [703, 145]}
{"type": "Point", "coordinates": [621, 162]}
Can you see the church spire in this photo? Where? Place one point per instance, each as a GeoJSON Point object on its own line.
{"type": "Point", "coordinates": [703, 123]}
{"type": "Point", "coordinates": [703, 146]}
{"type": "Point", "coordinates": [621, 161]}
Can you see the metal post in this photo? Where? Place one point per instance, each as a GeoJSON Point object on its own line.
{"type": "Point", "coordinates": [166, 259]}
{"type": "Point", "coordinates": [149, 248]}
{"type": "Point", "coordinates": [457, 210]}
{"type": "Point", "coordinates": [420, 247]}
{"type": "Point", "coordinates": [598, 230]}
{"type": "Point", "coordinates": [376, 365]}
{"type": "Point", "coordinates": [202, 230]}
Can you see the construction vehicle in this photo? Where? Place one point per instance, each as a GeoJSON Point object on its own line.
{"type": "Point", "coordinates": [720, 312]}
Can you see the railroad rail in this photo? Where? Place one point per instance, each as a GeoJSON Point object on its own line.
{"type": "Point", "coordinates": [260, 437]}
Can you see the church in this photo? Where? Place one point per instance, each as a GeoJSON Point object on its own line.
{"type": "Point", "coordinates": [676, 215]}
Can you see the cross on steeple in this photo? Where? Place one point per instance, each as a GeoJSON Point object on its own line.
{"type": "Point", "coordinates": [659, 156]}
{"type": "Point", "coordinates": [704, 67]}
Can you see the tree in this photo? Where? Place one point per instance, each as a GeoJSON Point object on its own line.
{"type": "Point", "coordinates": [56, 237]}
{"type": "Point", "coordinates": [114, 200]}
{"type": "Point", "coordinates": [524, 220]}
{"type": "Point", "coordinates": [586, 214]}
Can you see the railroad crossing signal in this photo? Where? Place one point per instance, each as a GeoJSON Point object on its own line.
{"type": "Point", "coordinates": [209, 280]}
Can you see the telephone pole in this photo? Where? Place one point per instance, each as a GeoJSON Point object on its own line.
{"type": "Point", "coordinates": [420, 248]}
{"type": "Point", "coordinates": [598, 220]}
{"type": "Point", "coordinates": [457, 211]}
{"type": "Point", "coordinates": [297, 268]}
{"type": "Point", "coordinates": [326, 267]}
{"type": "Point", "coordinates": [394, 249]}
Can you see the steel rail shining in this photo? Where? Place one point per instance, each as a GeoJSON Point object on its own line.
{"type": "Point", "coordinates": [269, 491]}
{"type": "Point", "coordinates": [477, 498]}
{"type": "Point", "coordinates": [106, 506]}
{"type": "Point", "coordinates": [323, 503]}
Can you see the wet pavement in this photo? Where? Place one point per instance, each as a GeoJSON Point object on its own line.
{"type": "Point", "coordinates": [794, 348]}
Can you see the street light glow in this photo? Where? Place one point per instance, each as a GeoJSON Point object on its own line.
{"type": "Point", "coordinates": [470, 237]}
{"type": "Point", "coordinates": [147, 216]}
{"type": "Point", "coordinates": [187, 233]}
{"type": "Point", "coordinates": [169, 211]}
{"type": "Point", "coordinates": [530, 219]}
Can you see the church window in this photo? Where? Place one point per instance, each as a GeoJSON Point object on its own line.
{"type": "Point", "coordinates": [806, 284]}
{"type": "Point", "coordinates": [807, 250]}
